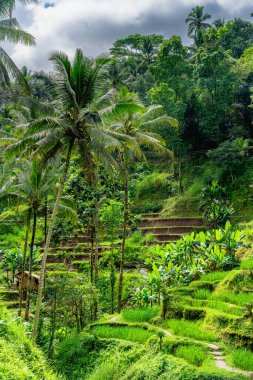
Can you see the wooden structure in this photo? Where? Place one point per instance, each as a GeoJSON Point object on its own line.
{"type": "Point", "coordinates": [34, 280]}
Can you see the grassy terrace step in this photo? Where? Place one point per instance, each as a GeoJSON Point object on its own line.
{"type": "Point", "coordinates": [169, 230]}
{"type": "Point", "coordinates": [171, 222]}
{"type": "Point", "coordinates": [54, 258]}
{"type": "Point", "coordinates": [11, 304]}
{"type": "Point", "coordinates": [151, 216]}
{"type": "Point", "coordinates": [166, 237]}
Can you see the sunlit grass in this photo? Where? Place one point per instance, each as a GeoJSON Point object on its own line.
{"type": "Point", "coordinates": [202, 294]}
{"type": "Point", "coordinates": [193, 354]}
{"type": "Point", "coordinates": [133, 334]}
{"type": "Point", "coordinates": [237, 299]}
{"type": "Point", "coordinates": [241, 358]}
{"type": "Point", "coordinates": [218, 305]}
{"type": "Point", "coordinates": [189, 329]}
{"type": "Point", "coordinates": [247, 264]}
{"type": "Point", "coordinates": [214, 276]}
{"type": "Point", "coordinates": [143, 314]}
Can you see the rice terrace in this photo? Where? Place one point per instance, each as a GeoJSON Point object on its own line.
{"type": "Point", "coordinates": [126, 190]}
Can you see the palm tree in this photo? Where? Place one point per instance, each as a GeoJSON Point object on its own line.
{"type": "Point", "coordinates": [74, 126]}
{"type": "Point", "coordinates": [25, 193]}
{"type": "Point", "coordinates": [11, 31]}
{"type": "Point", "coordinates": [196, 20]}
{"type": "Point", "coordinates": [219, 23]}
{"type": "Point", "coordinates": [133, 120]}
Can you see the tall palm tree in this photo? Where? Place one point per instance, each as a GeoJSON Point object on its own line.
{"type": "Point", "coordinates": [25, 193]}
{"type": "Point", "coordinates": [75, 126]}
{"type": "Point", "coordinates": [11, 31]}
{"type": "Point", "coordinates": [197, 21]}
{"type": "Point", "coordinates": [133, 120]}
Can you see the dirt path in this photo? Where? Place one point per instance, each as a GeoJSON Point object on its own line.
{"type": "Point", "coordinates": [220, 363]}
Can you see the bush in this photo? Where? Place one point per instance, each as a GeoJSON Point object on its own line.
{"type": "Point", "coordinates": [209, 285]}
{"type": "Point", "coordinates": [194, 313]}
{"type": "Point", "coordinates": [193, 354]}
{"type": "Point", "coordinates": [19, 359]}
{"type": "Point", "coordinates": [176, 310]}
{"type": "Point", "coordinates": [76, 353]}
{"type": "Point", "coordinates": [153, 184]}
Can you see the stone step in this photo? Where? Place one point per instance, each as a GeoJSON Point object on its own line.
{"type": "Point", "coordinates": [168, 230]}
{"type": "Point", "coordinates": [151, 216]}
{"type": "Point", "coordinates": [172, 222]}
{"type": "Point", "coordinates": [167, 237]}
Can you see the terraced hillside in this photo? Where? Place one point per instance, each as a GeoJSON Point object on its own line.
{"type": "Point", "coordinates": [75, 250]}
{"type": "Point", "coordinates": [166, 230]}
{"type": "Point", "coordinates": [203, 322]}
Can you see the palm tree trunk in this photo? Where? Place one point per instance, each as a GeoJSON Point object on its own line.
{"type": "Point", "coordinates": [123, 248]}
{"type": "Point", "coordinates": [48, 241]}
{"type": "Point", "coordinates": [21, 295]}
{"type": "Point", "coordinates": [45, 220]}
{"type": "Point", "coordinates": [28, 291]}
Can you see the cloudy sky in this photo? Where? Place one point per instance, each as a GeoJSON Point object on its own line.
{"type": "Point", "coordinates": [93, 25]}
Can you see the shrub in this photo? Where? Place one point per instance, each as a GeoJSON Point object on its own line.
{"type": "Point", "coordinates": [202, 285]}
{"type": "Point", "coordinates": [176, 310]}
{"type": "Point", "coordinates": [19, 359]}
{"type": "Point", "coordinates": [193, 354]}
{"type": "Point", "coordinates": [76, 353]}
{"type": "Point", "coordinates": [153, 184]}
{"type": "Point", "coordinates": [194, 313]}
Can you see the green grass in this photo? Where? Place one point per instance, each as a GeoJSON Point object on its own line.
{"type": "Point", "coordinates": [247, 264]}
{"type": "Point", "coordinates": [217, 305]}
{"type": "Point", "coordinates": [240, 299]}
{"type": "Point", "coordinates": [214, 276]}
{"type": "Point", "coordinates": [133, 334]}
{"type": "Point", "coordinates": [202, 294]}
{"type": "Point", "coordinates": [189, 329]}
{"type": "Point", "coordinates": [192, 353]}
{"type": "Point", "coordinates": [241, 358]}
{"type": "Point", "coordinates": [143, 314]}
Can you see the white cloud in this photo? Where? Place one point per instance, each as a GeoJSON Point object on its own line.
{"type": "Point", "coordinates": [94, 24]}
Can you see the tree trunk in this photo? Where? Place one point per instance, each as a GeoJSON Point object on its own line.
{"type": "Point", "coordinates": [53, 319]}
{"type": "Point", "coordinates": [45, 220]}
{"type": "Point", "coordinates": [21, 295]}
{"type": "Point", "coordinates": [28, 289]}
{"type": "Point", "coordinates": [48, 241]}
{"type": "Point", "coordinates": [123, 248]}
{"type": "Point", "coordinates": [180, 185]}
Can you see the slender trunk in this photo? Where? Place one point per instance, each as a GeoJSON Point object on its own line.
{"type": "Point", "coordinates": [28, 290]}
{"type": "Point", "coordinates": [21, 295]}
{"type": "Point", "coordinates": [48, 241]}
{"type": "Point", "coordinates": [91, 254]}
{"type": "Point", "coordinates": [45, 220]}
{"type": "Point", "coordinates": [180, 176]}
{"type": "Point", "coordinates": [96, 248]}
{"type": "Point", "coordinates": [123, 248]}
{"type": "Point", "coordinates": [96, 260]}
{"type": "Point", "coordinates": [53, 319]}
